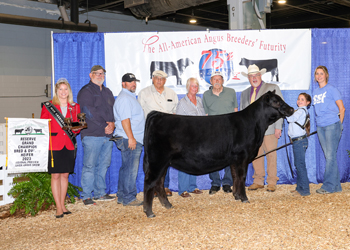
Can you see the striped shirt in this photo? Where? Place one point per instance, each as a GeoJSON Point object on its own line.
{"type": "Point", "coordinates": [186, 107]}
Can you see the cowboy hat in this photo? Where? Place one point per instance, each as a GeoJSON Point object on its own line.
{"type": "Point", "coordinates": [253, 69]}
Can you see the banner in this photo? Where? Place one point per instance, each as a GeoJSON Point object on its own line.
{"type": "Point", "coordinates": [286, 55]}
{"type": "Point", "coordinates": [28, 144]}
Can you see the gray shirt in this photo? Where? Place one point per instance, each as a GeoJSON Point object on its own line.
{"type": "Point", "coordinates": [225, 103]}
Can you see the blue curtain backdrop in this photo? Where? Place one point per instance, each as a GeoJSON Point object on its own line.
{"type": "Point", "coordinates": [76, 53]}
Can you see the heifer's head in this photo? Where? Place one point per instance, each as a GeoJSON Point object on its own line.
{"type": "Point", "coordinates": [281, 108]}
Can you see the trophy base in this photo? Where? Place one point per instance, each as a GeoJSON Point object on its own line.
{"type": "Point", "coordinates": [74, 125]}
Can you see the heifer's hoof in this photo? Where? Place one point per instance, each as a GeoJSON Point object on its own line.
{"type": "Point", "coordinates": [168, 206]}
{"type": "Point", "coordinates": [246, 201]}
{"type": "Point", "coordinates": [151, 216]}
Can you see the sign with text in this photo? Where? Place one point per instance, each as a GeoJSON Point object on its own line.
{"type": "Point", "coordinates": [285, 54]}
{"type": "Point", "coordinates": [28, 144]}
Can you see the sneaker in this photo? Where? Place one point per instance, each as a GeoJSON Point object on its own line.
{"type": "Point", "coordinates": [227, 188]}
{"type": "Point", "coordinates": [106, 197]}
{"type": "Point", "coordinates": [322, 191]}
{"type": "Point", "coordinates": [88, 202]}
{"type": "Point", "coordinates": [135, 203]}
{"type": "Point", "coordinates": [214, 189]}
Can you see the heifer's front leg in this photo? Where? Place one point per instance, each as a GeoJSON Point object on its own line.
{"type": "Point", "coordinates": [239, 183]}
{"type": "Point", "coordinates": [233, 173]}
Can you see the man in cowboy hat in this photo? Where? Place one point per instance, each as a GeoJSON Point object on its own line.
{"type": "Point", "coordinates": [272, 134]}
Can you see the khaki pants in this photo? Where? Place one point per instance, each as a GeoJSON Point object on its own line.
{"type": "Point", "coordinates": [269, 143]}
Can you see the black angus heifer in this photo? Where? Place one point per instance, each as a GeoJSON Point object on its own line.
{"type": "Point", "coordinates": [202, 144]}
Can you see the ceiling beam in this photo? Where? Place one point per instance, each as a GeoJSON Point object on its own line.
{"type": "Point", "coordinates": [102, 6]}
{"type": "Point", "coordinates": [317, 12]}
{"type": "Point", "coordinates": [204, 18]}
{"type": "Point", "coordinates": [342, 2]}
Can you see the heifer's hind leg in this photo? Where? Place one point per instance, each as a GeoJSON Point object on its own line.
{"type": "Point", "coordinates": [154, 182]}
{"type": "Point", "coordinates": [239, 177]}
{"type": "Point", "coordinates": [163, 199]}
{"type": "Point", "coordinates": [148, 193]}
{"type": "Point", "coordinates": [151, 178]}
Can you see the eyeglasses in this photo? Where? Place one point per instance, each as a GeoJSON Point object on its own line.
{"type": "Point", "coordinates": [98, 74]}
{"type": "Point", "coordinates": [159, 78]}
{"type": "Point", "coordinates": [256, 75]}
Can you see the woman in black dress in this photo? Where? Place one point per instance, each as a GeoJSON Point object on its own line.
{"type": "Point", "coordinates": [62, 145]}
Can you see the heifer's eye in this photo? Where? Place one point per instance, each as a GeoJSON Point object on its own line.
{"type": "Point", "coordinates": [275, 103]}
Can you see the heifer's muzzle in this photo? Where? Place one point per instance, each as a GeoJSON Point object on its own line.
{"type": "Point", "coordinates": [286, 110]}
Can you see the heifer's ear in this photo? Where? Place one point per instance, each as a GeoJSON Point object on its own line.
{"type": "Point", "coordinates": [274, 91]}
{"type": "Point", "coordinates": [267, 98]}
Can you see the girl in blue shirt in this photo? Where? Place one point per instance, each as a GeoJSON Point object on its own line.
{"type": "Point", "coordinates": [330, 111]}
{"type": "Point", "coordinates": [298, 135]}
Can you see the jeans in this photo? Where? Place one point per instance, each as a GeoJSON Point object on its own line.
{"type": "Point", "coordinates": [97, 158]}
{"type": "Point", "coordinates": [187, 182]}
{"type": "Point", "coordinates": [215, 178]}
{"type": "Point", "coordinates": [329, 138]}
{"type": "Point", "coordinates": [167, 178]}
{"type": "Point", "coordinates": [128, 172]}
{"type": "Point", "coordinates": [299, 149]}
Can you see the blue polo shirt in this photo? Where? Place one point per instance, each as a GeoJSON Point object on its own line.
{"type": "Point", "coordinates": [126, 106]}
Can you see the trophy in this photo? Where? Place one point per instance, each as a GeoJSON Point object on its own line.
{"type": "Point", "coordinates": [69, 125]}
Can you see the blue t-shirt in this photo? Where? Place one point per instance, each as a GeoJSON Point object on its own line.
{"type": "Point", "coordinates": [325, 107]}
{"type": "Point", "coordinates": [126, 106]}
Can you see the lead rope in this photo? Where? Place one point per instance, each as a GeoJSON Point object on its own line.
{"type": "Point", "coordinates": [285, 141]}
{"type": "Point", "coordinates": [7, 143]}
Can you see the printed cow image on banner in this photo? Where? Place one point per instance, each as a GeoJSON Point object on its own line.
{"type": "Point", "coordinates": [28, 144]}
{"type": "Point", "coordinates": [285, 54]}
{"type": "Point", "coordinates": [172, 68]}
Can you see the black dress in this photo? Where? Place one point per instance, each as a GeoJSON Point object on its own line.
{"type": "Point", "coordinates": [64, 161]}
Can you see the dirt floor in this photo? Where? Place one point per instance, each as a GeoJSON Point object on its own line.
{"type": "Point", "coordinates": [276, 220]}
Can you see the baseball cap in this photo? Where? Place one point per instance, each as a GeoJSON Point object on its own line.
{"type": "Point", "coordinates": [217, 73]}
{"type": "Point", "coordinates": [129, 77]}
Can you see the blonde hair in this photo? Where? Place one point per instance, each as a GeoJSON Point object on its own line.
{"type": "Point", "coordinates": [189, 83]}
{"type": "Point", "coordinates": [325, 70]}
{"type": "Point", "coordinates": [55, 99]}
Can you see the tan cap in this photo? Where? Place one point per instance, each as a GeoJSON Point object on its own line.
{"type": "Point", "coordinates": [159, 73]}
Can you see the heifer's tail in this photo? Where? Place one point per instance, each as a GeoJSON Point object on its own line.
{"type": "Point", "coordinates": [149, 121]}
{"type": "Point", "coordinates": [147, 126]}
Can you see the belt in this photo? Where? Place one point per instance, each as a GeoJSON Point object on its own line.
{"type": "Point", "coordinates": [299, 138]}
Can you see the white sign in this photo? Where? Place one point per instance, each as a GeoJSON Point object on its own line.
{"type": "Point", "coordinates": [28, 145]}
{"type": "Point", "coordinates": [286, 55]}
